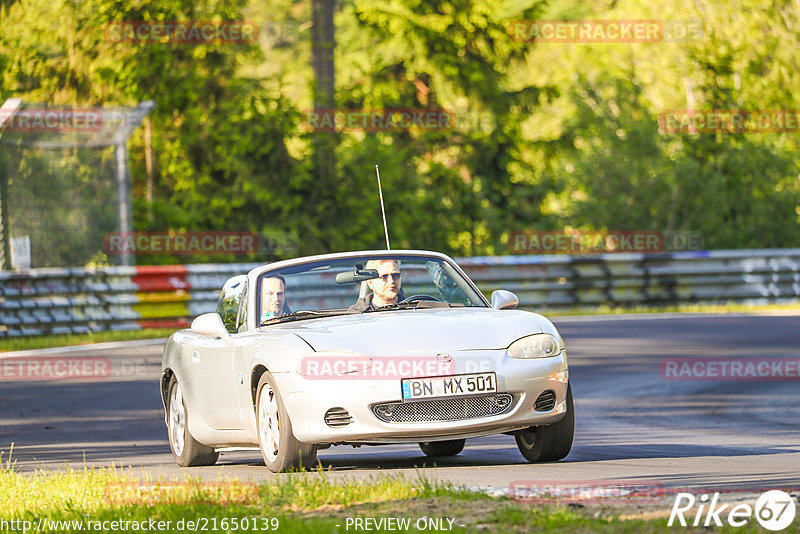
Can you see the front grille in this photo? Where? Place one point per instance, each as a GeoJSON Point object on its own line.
{"type": "Point", "coordinates": [336, 417]}
{"type": "Point", "coordinates": [454, 409]}
{"type": "Point", "coordinates": [545, 402]}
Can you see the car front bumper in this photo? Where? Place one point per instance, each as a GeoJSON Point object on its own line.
{"type": "Point", "coordinates": [308, 400]}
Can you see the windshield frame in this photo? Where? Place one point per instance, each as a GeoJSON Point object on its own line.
{"type": "Point", "coordinates": [260, 273]}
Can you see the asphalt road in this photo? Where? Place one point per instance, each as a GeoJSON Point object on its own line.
{"type": "Point", "coordinates": [632, 424]}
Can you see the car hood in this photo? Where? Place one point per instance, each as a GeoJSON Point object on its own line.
{"type": "Point", "coordinates": [417, 331]}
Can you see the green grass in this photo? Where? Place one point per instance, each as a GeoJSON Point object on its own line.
{"type": "Point", "coordinates": [41, 342]}
{"type": "Point", "coordinates": [731, 307]}
{"type": "Point", "coordinates": [312, 502]}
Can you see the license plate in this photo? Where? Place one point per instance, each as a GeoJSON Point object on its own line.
{"type": "Point", "coordinates": [448, 386]}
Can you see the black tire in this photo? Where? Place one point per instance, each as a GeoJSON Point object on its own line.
{"type": "Point", "coordinates": [289, 454]}
{"type": "Point", "coordinates": [442, 448]}
{"type": "Point", "coordinates": [549, 443]}
{"type": "Point", "coordinates": [187, 451]}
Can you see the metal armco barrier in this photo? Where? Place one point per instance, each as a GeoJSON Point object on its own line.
{"type": "Point", "coordinates": [64, 301]}
{"type": "Point", "coordinates": [58, 301]}
{"type": "Point", "coordinates": [771, 275]}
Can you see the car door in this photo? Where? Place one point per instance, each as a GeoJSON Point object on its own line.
{"type": "Point", "coordinates": [211, 376]}
{"type": "Point", "coordinates": [242, 358]}
{"type": "Point", "coordinates": [216, 379]}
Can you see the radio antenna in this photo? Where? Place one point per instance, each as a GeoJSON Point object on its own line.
{"type": "Point", "coordinates": [383, 211]}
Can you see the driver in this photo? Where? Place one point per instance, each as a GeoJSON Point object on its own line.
{"type": "Point", "coordinates": [386, 289]}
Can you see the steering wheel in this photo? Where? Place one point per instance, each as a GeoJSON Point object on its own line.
{"type": "Point", "coordinates": [412, 298]}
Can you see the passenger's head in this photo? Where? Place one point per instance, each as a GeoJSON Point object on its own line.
{"type": "Point", "coordinates": [273, 294]}
{"type": "Point", "coordinates": [387, 286]}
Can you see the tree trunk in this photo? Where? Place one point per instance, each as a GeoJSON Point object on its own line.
{"type": "Point", "coordinates": [323, 196]}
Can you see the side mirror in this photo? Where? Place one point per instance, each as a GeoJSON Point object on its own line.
{"type": "Point", "coordinates": [504, 300]}
{"type": "Point", "coordinates": [210, 324]}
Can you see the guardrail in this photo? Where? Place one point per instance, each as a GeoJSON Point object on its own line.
{"type": "Point", "coordinates": [770, 275]}
{"type": "Point", "coordinates": [58, 301]}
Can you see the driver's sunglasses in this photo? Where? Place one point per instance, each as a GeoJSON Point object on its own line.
{"type": "Point", "coordinates": [395, 277]}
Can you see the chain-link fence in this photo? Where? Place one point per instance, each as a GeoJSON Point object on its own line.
{"type": "Point", "coordinates": [65, 183]}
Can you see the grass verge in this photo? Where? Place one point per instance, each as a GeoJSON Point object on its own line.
{"type": "Point", "coordinates": [44, 342]}
{"type": "Point", "coordinates": [111, 500]}
{"type": "Point", "coordinates": [733, 307]}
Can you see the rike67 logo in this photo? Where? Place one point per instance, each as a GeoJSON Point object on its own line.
{"type": "Point", "coordinates": [774, 510]}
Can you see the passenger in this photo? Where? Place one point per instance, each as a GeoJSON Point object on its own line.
{"type": "Point", "coordinates": [386, 289]}
{"type": "Point", "coordinates": [273, 297]}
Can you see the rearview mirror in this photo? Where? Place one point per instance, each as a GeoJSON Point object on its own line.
{"type": "Point", "coordinates": [210, 324]}
{"type": "Point", "coordinates": [504, 300]}
{"type": "Point", "coordinates": [357, 275]}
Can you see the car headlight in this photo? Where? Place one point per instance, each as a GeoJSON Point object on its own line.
{"type": "Point", "coordinates": [535, 346]}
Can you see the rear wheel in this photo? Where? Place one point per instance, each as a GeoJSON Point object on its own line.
{"type": "Point", "coordinates": [280, 449]}
{"type": "Point", "coordinates": [549, 443]}
{"type": "Point", "coordinates": [187, 451]}
{"type": "Point", "coordinates": [442, 448]}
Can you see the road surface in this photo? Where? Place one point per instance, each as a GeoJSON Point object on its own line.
{"type": "Point", "coordinates": [633, 424]}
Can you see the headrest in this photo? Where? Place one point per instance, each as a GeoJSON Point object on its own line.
{"type": "Point", "coordinates": [364, 291]}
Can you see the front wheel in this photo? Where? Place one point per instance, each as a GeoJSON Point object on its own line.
{"type": "Point", "coordinates": [442, 448]}
{"type": "Point", "coordinates": [280, 449]}
{"type": "Point", "coordinates": [549, 443]}
{"type": "Point", "coordinates": [187, 451]}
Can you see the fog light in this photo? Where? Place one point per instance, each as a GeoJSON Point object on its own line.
{"type": "Point", "coordinates": [502, 402]}
{"type": "Point", "coordinates": [384, 412]}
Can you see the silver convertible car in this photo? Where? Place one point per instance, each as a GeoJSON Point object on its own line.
{"type": "Point", "coordinates": [363, 348]}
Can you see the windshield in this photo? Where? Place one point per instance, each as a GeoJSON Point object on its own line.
{"type": "Point", "coordinates": [362, 285]}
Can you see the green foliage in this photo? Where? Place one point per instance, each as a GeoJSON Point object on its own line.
{"type": "Point", "coordinates": [617, 171]}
